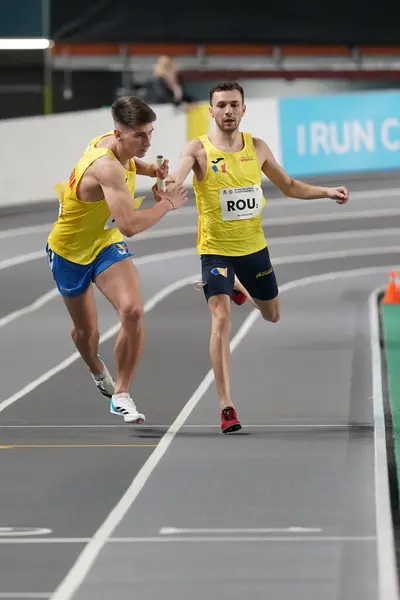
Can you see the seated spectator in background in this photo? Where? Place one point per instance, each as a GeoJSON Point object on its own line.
{"type": "Point", "coordinates": [167, 85]}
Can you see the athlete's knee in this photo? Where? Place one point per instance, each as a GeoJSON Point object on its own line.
{"type": "Point", "coordinates": [83, 332]}
{"type": "Point", "coordinates": [270, 311]}
{"type": "Point", "coordinates": [221, 320]}
{"type": "Point", "coordinates": [131, 313]}
{"type": "Point", "coordinates": [272, 315]}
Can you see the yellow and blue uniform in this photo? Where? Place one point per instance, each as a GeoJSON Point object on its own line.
{"type": "Point", "coordinates": [85, 239]}
{"type": "Point", "coordinates": [230, 237]}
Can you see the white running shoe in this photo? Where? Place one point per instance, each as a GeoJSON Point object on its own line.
{"type": "Point", "coordinates": [105, 384]}
{"type": "Point", "coordinates": [198, 285]}
{"type": "Point", "coordinates": [123, 405]}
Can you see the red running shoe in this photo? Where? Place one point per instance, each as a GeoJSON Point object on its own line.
{"type": "Point", "coordinates": [229, 421]}
{"type": "Point", "coordinates": [238, 297]}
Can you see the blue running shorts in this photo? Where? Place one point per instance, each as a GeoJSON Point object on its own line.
{"type": "Point", "coordinates": [73, 279]}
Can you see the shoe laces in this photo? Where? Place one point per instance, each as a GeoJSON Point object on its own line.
{"type": "Point", "coordinates": [229, 413]}
{"type": "Point", "coordinates": [127, 403]}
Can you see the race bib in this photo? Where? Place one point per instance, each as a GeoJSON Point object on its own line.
{"type": "Point", "coordinates": [241, 203]}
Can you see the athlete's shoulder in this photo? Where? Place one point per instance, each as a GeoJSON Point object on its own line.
{"type": "Point", "coordinates": [262, 149]}
{"type": "Point", "coordinates": [197, 144]}
{"type": "Point", "coordinates": [94, 141]}
{"type": "Point", "coordinates": [107, 169]}
{"type": "Point", "coordinates": [258, 142]}
{"type": "Point", "coordinates": [194, 147]}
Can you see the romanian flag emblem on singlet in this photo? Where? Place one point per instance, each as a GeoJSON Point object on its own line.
{"type": "Point", "coordinates": [219, 165]}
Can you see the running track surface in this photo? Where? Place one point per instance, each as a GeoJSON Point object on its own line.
{"type": "Point", "coordinates": [92, 509]}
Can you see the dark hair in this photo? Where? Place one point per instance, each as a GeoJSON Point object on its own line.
{"type": "Point", "coordinates": [132, 111]}
{"type": "Point", "coordinates": [227, 86]}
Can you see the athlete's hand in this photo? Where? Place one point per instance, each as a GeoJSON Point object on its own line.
{"type": "Point", "coordinates": [175, 194]}
{"type": "Point", "coordinates": [161, 171]}
{"type": "Point", "coordinates": [340, 194]}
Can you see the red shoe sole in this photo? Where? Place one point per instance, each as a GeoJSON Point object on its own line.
{"type": "Point", "coordinates": [232, 428]}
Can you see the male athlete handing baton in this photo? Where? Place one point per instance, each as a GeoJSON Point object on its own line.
{"type": "Point", "coordinates": [86, 244]}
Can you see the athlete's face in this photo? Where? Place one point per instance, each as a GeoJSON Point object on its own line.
{"type": "Point", "coordinates": [227, 109]}
{"type": "Point", "coordinates": [135, 142]}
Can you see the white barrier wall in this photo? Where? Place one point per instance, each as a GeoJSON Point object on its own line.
{"type": "Point", "coordinates": [37, 152]}
{"type": "Point", "coordinates": [309, 135]}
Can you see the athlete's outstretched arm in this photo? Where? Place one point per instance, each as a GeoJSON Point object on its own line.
{"type": "Point", "coordinates": [111, 177]}
{"type": "Point", "coordinates": [293, 187]}
{"type": "Point", "coordinates": [187, 160]}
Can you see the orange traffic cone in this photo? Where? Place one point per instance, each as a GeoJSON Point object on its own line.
{"type": "Point", "coordinates": [392, 293]}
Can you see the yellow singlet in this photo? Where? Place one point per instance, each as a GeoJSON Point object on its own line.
{"type": "Point", "coordinates": [84, 229]}
{"type": "Point", "coordinates": [230, 201]}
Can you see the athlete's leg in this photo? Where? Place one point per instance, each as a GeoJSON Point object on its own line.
{"type": "Point", "coordinates": [239, 287]}
{"type": "Point", "coordinates": [257, 276]}
{"type": "Point", "coordinates": [85, 335]}
{"type": "Point", "coordinates": [218, 276]}
{"type": "Point", "coordinates": [85, 332]}
{"type": "Point", "coordinates": [119, 283]}
{"type": "Point", "coordinates": [220, 352]}
{"type": "Point", "coordinates": [73, 283]}
{"type": "Point", "coordinates": [269, 309]}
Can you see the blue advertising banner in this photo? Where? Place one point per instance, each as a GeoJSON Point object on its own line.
{"type": "Point", "coordinates": [340, 133]}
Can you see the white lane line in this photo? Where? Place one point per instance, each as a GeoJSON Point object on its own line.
{"type": "Point", "coordinates": [316, 256]}
{"type": "Point", "coordinates": [42, 300]}
{"type": "Point", "coordinates": [181, 531]}
{"type": "Point", "coordinates": [333, 236]}
{"type": "Point", "coordinates": [281, 260]}
{"type": "Point", "coordinates": [387, 569]}
{"type": "Point", "coordinates": [22, 596]}
{"type": "Point", "coordinates": [196, 539]}
{"type": "Point", "coordinates": [22, 258]}
{"type": "Point", "coordinates": [76, 576]}
{"type": "Point", "coordinates": [272, 241]}
{"type": "Point", "coordinates": [109, 333]}
{"type": "Point", "coordinates": [43, 541]}
{"type": "Point", "coordinates": [36, 305]}
{"type": "Point", "coordinates": [192, 229]}
{"type": "Point", "coordinates": [342, 216]}
{"type": "Point", "coordinates": [20, 532]}
{"type": "Point", "coordinates": [270, 222]}
{"type": "Point", "coordinates": [149, 305]}
{"type": "Point", "coordinates": [271, 201]}
{"type": "Point", "coordinates": [281, 201]}
{"type": "Point", "coordinates": [85, 560]}
{"type": "Point", "coordinates": [28, 230]}
{"type": "Point", "coordinates": [173, 254]}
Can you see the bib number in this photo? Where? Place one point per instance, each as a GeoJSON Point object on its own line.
{"type": "Point", "coordinates": [241, 203]}
{"type": "Point", "coordinates": [50, 257]}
